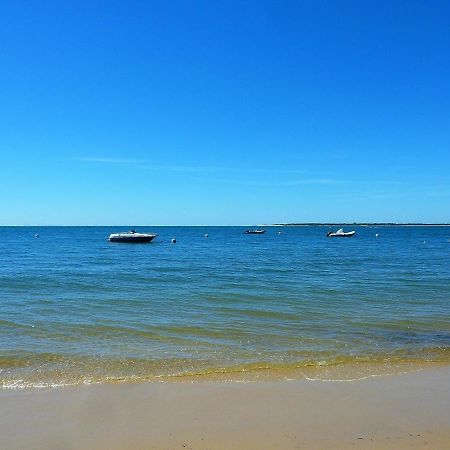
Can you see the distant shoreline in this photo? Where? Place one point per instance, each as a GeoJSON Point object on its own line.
{"type": "Point", "coordinates": [361, 224]}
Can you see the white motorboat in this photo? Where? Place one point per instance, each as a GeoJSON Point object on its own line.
{"type": "Point", "coordinates": [132, 236]}
{"type": "Point", "coordinates": [341, 233]}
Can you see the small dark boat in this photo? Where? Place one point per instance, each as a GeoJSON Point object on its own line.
{"type": "Point", "coordinates": [132, 237]}
{"type": "Point", "coordinates": [254, 231]}
{"type": "Point", "coordinates": [341, 233]}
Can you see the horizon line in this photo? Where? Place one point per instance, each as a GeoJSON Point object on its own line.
{"type": "Point", "coordinates": [280, 224]}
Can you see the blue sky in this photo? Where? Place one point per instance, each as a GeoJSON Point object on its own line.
{"type": "Point", "coordinates": [205, 112]}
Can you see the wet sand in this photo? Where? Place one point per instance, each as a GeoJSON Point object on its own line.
{"type": "Point", "coordinates": [388, 412]}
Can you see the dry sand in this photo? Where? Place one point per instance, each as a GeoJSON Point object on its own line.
{"type": "Point", "coordinates": [389, 412]}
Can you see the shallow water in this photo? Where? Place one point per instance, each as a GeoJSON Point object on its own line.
{"type": "Point", "coordinates": [75, 308]}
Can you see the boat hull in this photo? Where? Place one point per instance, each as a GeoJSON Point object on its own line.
{"type": "Point", "coordinates": [255, 231]}
{"type": "Point", "coordinates": [349, 234]}
{"type": "Point", "coordinates": [132, 239]}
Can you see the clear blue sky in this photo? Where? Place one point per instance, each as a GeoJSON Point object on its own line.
{"type": "Point", "coordinates": [203, 112]}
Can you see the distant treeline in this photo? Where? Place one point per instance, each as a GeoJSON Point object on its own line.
{"type": "Point", "coordinates": [361, 224]}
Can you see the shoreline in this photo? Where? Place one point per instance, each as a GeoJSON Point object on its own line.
{"type": "Point", "coordinates": [392, 411]}
{"type": "Point", "coordinates": [339, 371]}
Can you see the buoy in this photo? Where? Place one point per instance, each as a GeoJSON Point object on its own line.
{"type": "Point", "coordinates": [279, 232]}
{"type": "Point", "coordinates": [206, 235]}
{"type": "Point", "coordinates": [377, 235]}
{"type": "Point", "coordinates": [36, 235]}
{"type": "Point", "coordinates": [174, 241]}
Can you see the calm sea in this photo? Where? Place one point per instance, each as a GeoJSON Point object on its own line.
{"type": "Point", "coordinates": [75, 308]}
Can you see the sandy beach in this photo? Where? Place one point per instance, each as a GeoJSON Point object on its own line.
{"type": "Point", "coordinates": [389, 412]}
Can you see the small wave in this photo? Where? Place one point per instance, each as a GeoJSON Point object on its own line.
{"type": "Point", "coordinates": [343, 370]}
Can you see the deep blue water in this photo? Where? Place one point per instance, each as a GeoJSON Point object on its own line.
{"type": "Point", "coordinates": [77, 308]}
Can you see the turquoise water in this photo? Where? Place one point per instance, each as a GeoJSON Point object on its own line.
{"type": "Point", "coordinates": [75, 308]}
